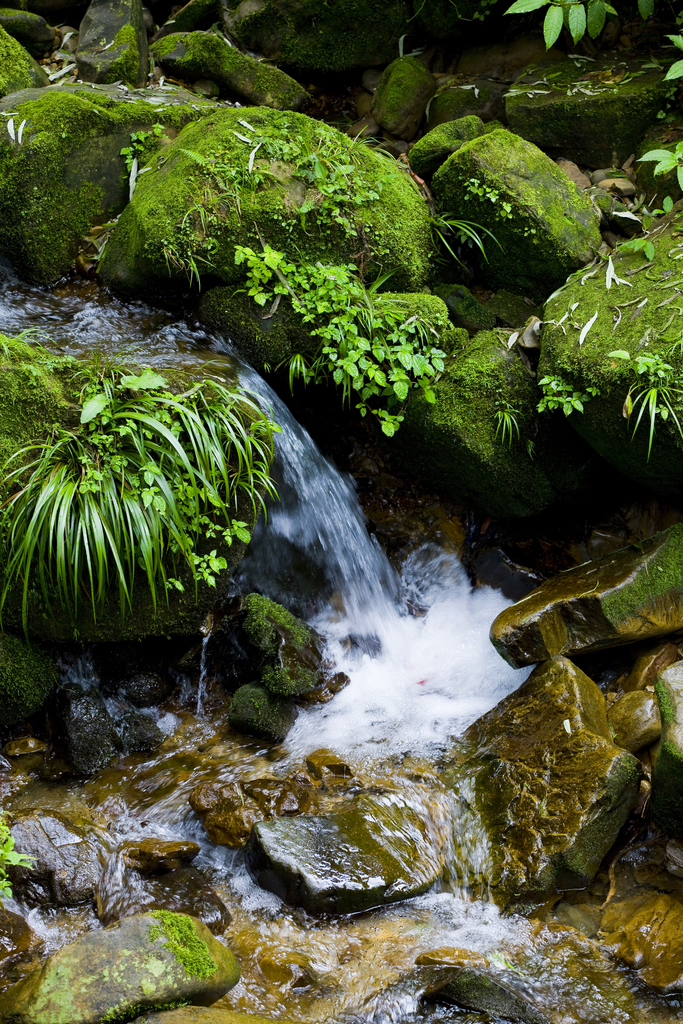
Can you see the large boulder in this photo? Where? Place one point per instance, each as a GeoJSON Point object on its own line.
{"type": "Point", "coordinates": [402, 95]}
{"type": "Point", "coordinates": [32, 31]}
{"type": "Point", "coordinates": [381, 850]}
{"type": "Point", "coordinates": [18, 69]}
{"type": "Point", "coordinates": [266, 165]}
{"type": "Point", "coordinates": [68, 172]}
{"type": "Point", "coordinates": [65, 856]}
{"type": "Point", "coordinates": [205, 55]}
{"type": "Point", "coordinates": [305, 35]}
{"type": "Point", "coordinates": [435, 147]}
{"type": "Point", "coordinates": [143, 962]}
{"type": "Point", "coordinates": [593, 112]}
{"type": "Point", "coordinates": [458, 446]}
{"type": "Point", "coordinates": [632, 594]}
{"type": "Point", "coordinates": [86, 729]}
{"type": "Point", "coordinates": [112, 43]}
{"type": "Point", "coordinates": [646, 932]}
{"type": "Point", "coordinates": [27, 677]}
{"type": "Point", "coordinates": [667, 775]}
{"type": "Point", "coordinates": [550, 787]}
{"type": "Point", "coordinates": [623, 307]}
{"type": "Point", "coordinates": [544, 226]}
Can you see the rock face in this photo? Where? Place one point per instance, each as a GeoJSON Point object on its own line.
{"type": "Point", "coordinates": [27, 677]}
{"type": "Point", "coordinates": [636, 309]}
{"type": "Point", "coordinates": [302, 34]}
{"type": "Point", "coordinates": [594, 112]}
{"type": "Point", "coordinates": [545, 227]}
{"type": "Point", "coordinates": [455, 444]}
{"type": "Point", "coordinates": [667, 776]}
{"type": "Point", "coordinates": [148, 247]}
{"type": "Point", "coordinates": [142, 962]}
{"type": "Point", "coordinates": [380, 851]}
{"type": "Point", "coordinates": [66, 866]}
{"type": "Point", "coordinates": [112, 43]}
{"type": "Point", "coordinates": [646, 932]}
{"type": "Point", "coordinates": [18, 69]}
{"type": "Point", "coordinates": [402, 95]}
{"type": "Point", "coordinates": [630, 595]}
{"type": "Point", "coordinates": [203, 55]}
{"type": "Point", "coordinates": [32, 31]}
{"type": "Point", "coordinates": [550, 786]}
{"type": "Point", "coordinates": [68, 173]}
{"type": "Point", "coordinates": [229, 810]}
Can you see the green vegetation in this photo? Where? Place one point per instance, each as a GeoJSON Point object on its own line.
{"type": "Point", "coordinates": [27, 677]}
{"type": "Point", "coordinates": [655, 386]}
{"type": "Point", "coordinates": [263, 619]}
{"type": "Point", "coordinates": [558, 394]}
{"type": "Point", "coordinates": [667, 160]}
{"type": "Point", "coordinates": [146, 477]}
{"type": "Point", "coordinates": [368, 346]}
{"type": "Point", "coordinates": [139, 144]}
{"type": "Point", "coordinates": [506, 421]}
{"type": "Point", "coordinates": [9, 856]}
{"type": "Point", "coordinates": [183, 941]}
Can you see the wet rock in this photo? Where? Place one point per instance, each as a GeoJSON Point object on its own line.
{"type": "Point", "coordinates": [481, 98]}
{"type": "Point", "coordinates": [200, 1015]}
{"type": "Point", "coordinates": [27, 677]}
{"type": "Point", "coordinates": [550, 786]}
{"type": "Point", "coordinates": [434, 148]}
{"type": "Point", "coordinates": [230, 810]}
{"type": "Point", "coordinates": [646, 932]}
{"type": "Point", "coordinates": [143, 961]}
{"type": "Point", "coordinates": [549, 225]}
{"type": "Point", "coordinates": [464, 310]}
{"type": "Point", "coordinates": [635, 720]}
{"type": "Point", "coordinates": [137, 732]}
{"type": "Point", "coordinates": [112, 43]}
{"type": "Point", "coordinates": [402, 95]}
{"type": "Point", "coordinates": [380, 851]}
{"type": "Point", "coordinates": [29, 745]}
{"type": "Point", "coordinates": [18, 69]}
{"type": "Point", "coordinates": [647, 666]}
{"type": "Point", "coordinates": [204, 55]}
{"type": "Point", "coordinates": [674, 858]}
{"type": "Point", "coordinates": [499, 993]}
{"type": "Point", "coordinates": [149, 856]}
{"type": "Point", "coordinates": [145, 689]}
{"type": "Point", "coordinates": [66, 867]}
{"type": "Point", "coordinates": [87, 729]}
{"type": "Point", "coordinates": [16, 936]}
{"type": "Point", "coordinates": [327, 766]}
{"type": "Point", "coordinates": [493, 568]}
{"type": "Point", "coordinates": [597, 113]}
{"type": "Point", "coordinates": [448, 956]}
{"type": "Point", "coordinates": [32, 31]}
{"type": "Point", "coordinates": [629, 595]}
{"type": "Point", "coordinates": [667, 775]}
{"type": "Point", "coordinates": [288, 651]}
{"type": "Point", "coordinates": [257, 712]}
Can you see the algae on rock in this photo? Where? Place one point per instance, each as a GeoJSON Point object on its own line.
{"type": "Point", "coordinates": [27, 677]}
{"type": "Point", "coordinates": [667, 775]}
{"type": "Point", "coordinates": [112, 44]}
{"type": "Point", "coordinates": [18, 69]}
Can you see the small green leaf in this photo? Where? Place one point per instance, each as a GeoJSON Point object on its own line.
{"type": "Point", "coordinates": [619, 354]}
{"type": "Point", "coordinates": [552, 25]}
{"type": "Point", "coordinates": [577, 21]}
{"type": "Point", "coordinates": [93, 407]}
{"type": "Point", "coordinates": [646, 8]}
{"type": "Point", "coordinates": [675, 71]}
{"type": "Point", "coordinates": [147, 379]}
{"type": "Point", "coordinates": [525, 6]}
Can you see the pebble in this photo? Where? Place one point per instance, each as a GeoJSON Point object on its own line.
{"type": "Point", "coordinates": [574, 173]}
{"type": "Point", "coordinates": [619, 187]}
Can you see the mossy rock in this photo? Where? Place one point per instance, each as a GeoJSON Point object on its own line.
{"type": "Point", "coordinates": [454, 101]}
{"type": "Point", "coordinates": [402, 95]}
{"type": "Point", "coordinates": [32, 31]}
{"type": "Point", "coordinates": [455, 444]}
{"type": "Point", "coordinates": [160, 237]}
{"type": "Point", "coordinates": [68, 174]}
{"type": "Point", "coordinates": [196, 14]}
{"type": "Point", "coordinates": [269, 338]}
{"type": "Point", "coordinates": [257, 712]}
{"type": "Point", "coordinates": [667, 775]}
{"type": "Point", "coordinates": [512, 310]}
{"type": "Point", "coordinates": [306, 35]}
{"type": "Point", "coordinates": [633, 316]}
{"type": "Point", "coordinates": [545, 227]}
{"type": "Point", "coordinates": [550, 787]}
{"type": "Point", "coordinates": [465, 310]}
{"type": "Point", "coordinates": [112, 43]}
{"type": "Point", "coordinates": [289, 651]}
{"type": "Point", "coordinates": [492, 992]}
{"type": "Point", "coordinates": [18, 69]}
{"type": "Point", "coordinates": [27, 677]}
{"type": "Point", "coordinates": [204, 1015]}
{"type": "Point", "coordinates": [434, 148]}
{"type": "Point", "coordinates": [657, 187]}
{"type": "Point", "coordinates": [593, 113]}
{"type": "Point", "coordinates": [205, 55]}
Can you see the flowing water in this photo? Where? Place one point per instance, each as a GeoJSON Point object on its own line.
{"type": "Point", "coordinates": [414, 644]}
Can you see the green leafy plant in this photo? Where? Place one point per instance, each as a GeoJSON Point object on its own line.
{"type": "Point", "coordinates": [655, 387]}
{"type": "Point", "coordinates": [483, 192]}
{"type": "Point", "coordinates": [447, 228]}
{"type": "Point", "coordinates": [9, 857]}
{"type": "Point", "coordinates": [558, 394]}
{"type": "Point", "coordinates": [138, 144]}
{"type": "Point", "coordinates": [667, 160]}
{"type": "Point", "coordinates": [369, 346]}
{"type": "Point", "coordinates": [147, 475]}
{"type": "Point", "coordinates": [506, 415]}
{"type": "Point", "coordinates": [676, 70]}
{"type": "Point", "coordinates": [578, 16]}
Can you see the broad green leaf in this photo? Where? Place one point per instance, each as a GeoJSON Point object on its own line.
{"type": "Point", "coordinates": [646, 8]}
{"type": "Point", "coordinates": [675, 71]}
{"type": "Point", "coordinates": [93, 407]}
{"type": "Point", "coordinates": [597, 12]}
{"type": "Point", "coordinates": [668, 204]}
{"type": "Point", "coordinates": [677, 41]}
{"type": "Point", "coordinates": [577, 21]}
{"type": "Point", "coordinates": [656, 154]}
{"type": "Point", "coordinates": [524, 6]}
{"type": "Point", "coordinates": [619, 354]}
{"type": "Point", "coordinates": [679, 174]}
{"type": "Point", "coordinates": [552, 25]}
{"type": "Point", "coordinates": [147, 379]}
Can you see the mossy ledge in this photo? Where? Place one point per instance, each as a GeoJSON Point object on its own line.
{"type": "Point", "coordinates": [182, 940]}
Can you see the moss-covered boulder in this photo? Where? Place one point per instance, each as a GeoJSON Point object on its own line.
{"type": "Point", "coordinates": [112, 43]}
{"type": "Point", "coordinates": [465, 310]}
{"type": "Point", "coordinates": [629, 595]}
{"type": "Point", "coordinates": [205, 55]}
{"type": "Point", "coordinates": [18, 69]}
{"type": "Point", "coordinates": [453, 101]}
{"type": "Point", "coordinates": [253, 176]}
{"type": "Point", "coordinates": [68, 173]}
{"type": "Point", "coordinates": [546, 228]}
{"type": "Point", "coordinates": [304, 34]}
{"type": "Point", "coordinates": [256, 711]}
{"type": "Point", "coordinates": [381, 850]}
{"type": "Point", "coordinates": [627, 307]}
{"type": "Point", "coordinates": [435, 147]}
{"type": "Point", "coordinates": [27, 677]}
{"type": "Point", "coordinates": [548, 784]}
{"type": "Point", "coordinates": [402, 95]}
{"type": "Point", "coordinates": [32, 31]}
{"type": "Point", "coordinates": [594, 113]}
{"type": "Point", "coordinates": [149, 961]}
{"type": "Point", "coordinates": [288, 653]}
{"type": "Point", "coordinates": [461, 446]}
{"type": "Point", "coordinates": [667, 776]}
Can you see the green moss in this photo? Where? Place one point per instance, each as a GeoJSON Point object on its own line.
{"type": "Point", "coordinates": [436, 146]}
{"type": "Point", "coordinates": [402, 95]}
{"type": "Point", "coordinates": [126, 66]}
{"type": "Point", "coordinates": [182, 940]}
{"type": "Point", "coordinates": [261, 620]}
{"type": "Point", "coordinates": [660, 574]}
{"type": "Point", "coordinates": [667, 708]}
{"type": "Point", "coordinates": [18, 70]}
{"type": "Point", "coordinates": [27, 677]}
{"type": "Point", "coordinates": [257, 712]}
{"type": "Point", "coordinates": [114, 1016]}
{"type": "Point", "coordinates": [289, 682]}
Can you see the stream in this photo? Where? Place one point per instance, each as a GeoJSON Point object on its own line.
{"type": "Point", "coordinates": [413, 641]}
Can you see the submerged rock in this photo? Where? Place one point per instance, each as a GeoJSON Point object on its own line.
{"type": "Point", "coordinates": [141, 962]}
{"type": "Point", "coordinates": [137, 731]}
{"type": "Point", "coordinates": [632, 594]}
{"type": "Point", "coordinates": [667, 775]}
{"type": "Point", "coordinates": [18, 69]}
{"type": "Point", "coordinates": [402, 95]}
{"type": "Point", "coordinates": [203, 55]}
{"type": "Point", "coordinates": [256, 711]}
{"type": "Point", "coordinates": [112, 43]}
{"type": "Point", "coordinates": [646, 932]}
{"type": "Point", "coordinates": [66, 863]}
{"type": "Point", "coordinates": [550, 787]}
{"type": "Point", "coordinates": [499, 993]}
{"type": "Point", "coordinates": [229, 810]}
{"type": "Point", "coordinates": [150, 856]}
{"type": "Point", "coordinates": [380, 851]}
{"type": "Point", "coordinates": [545, 227]}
